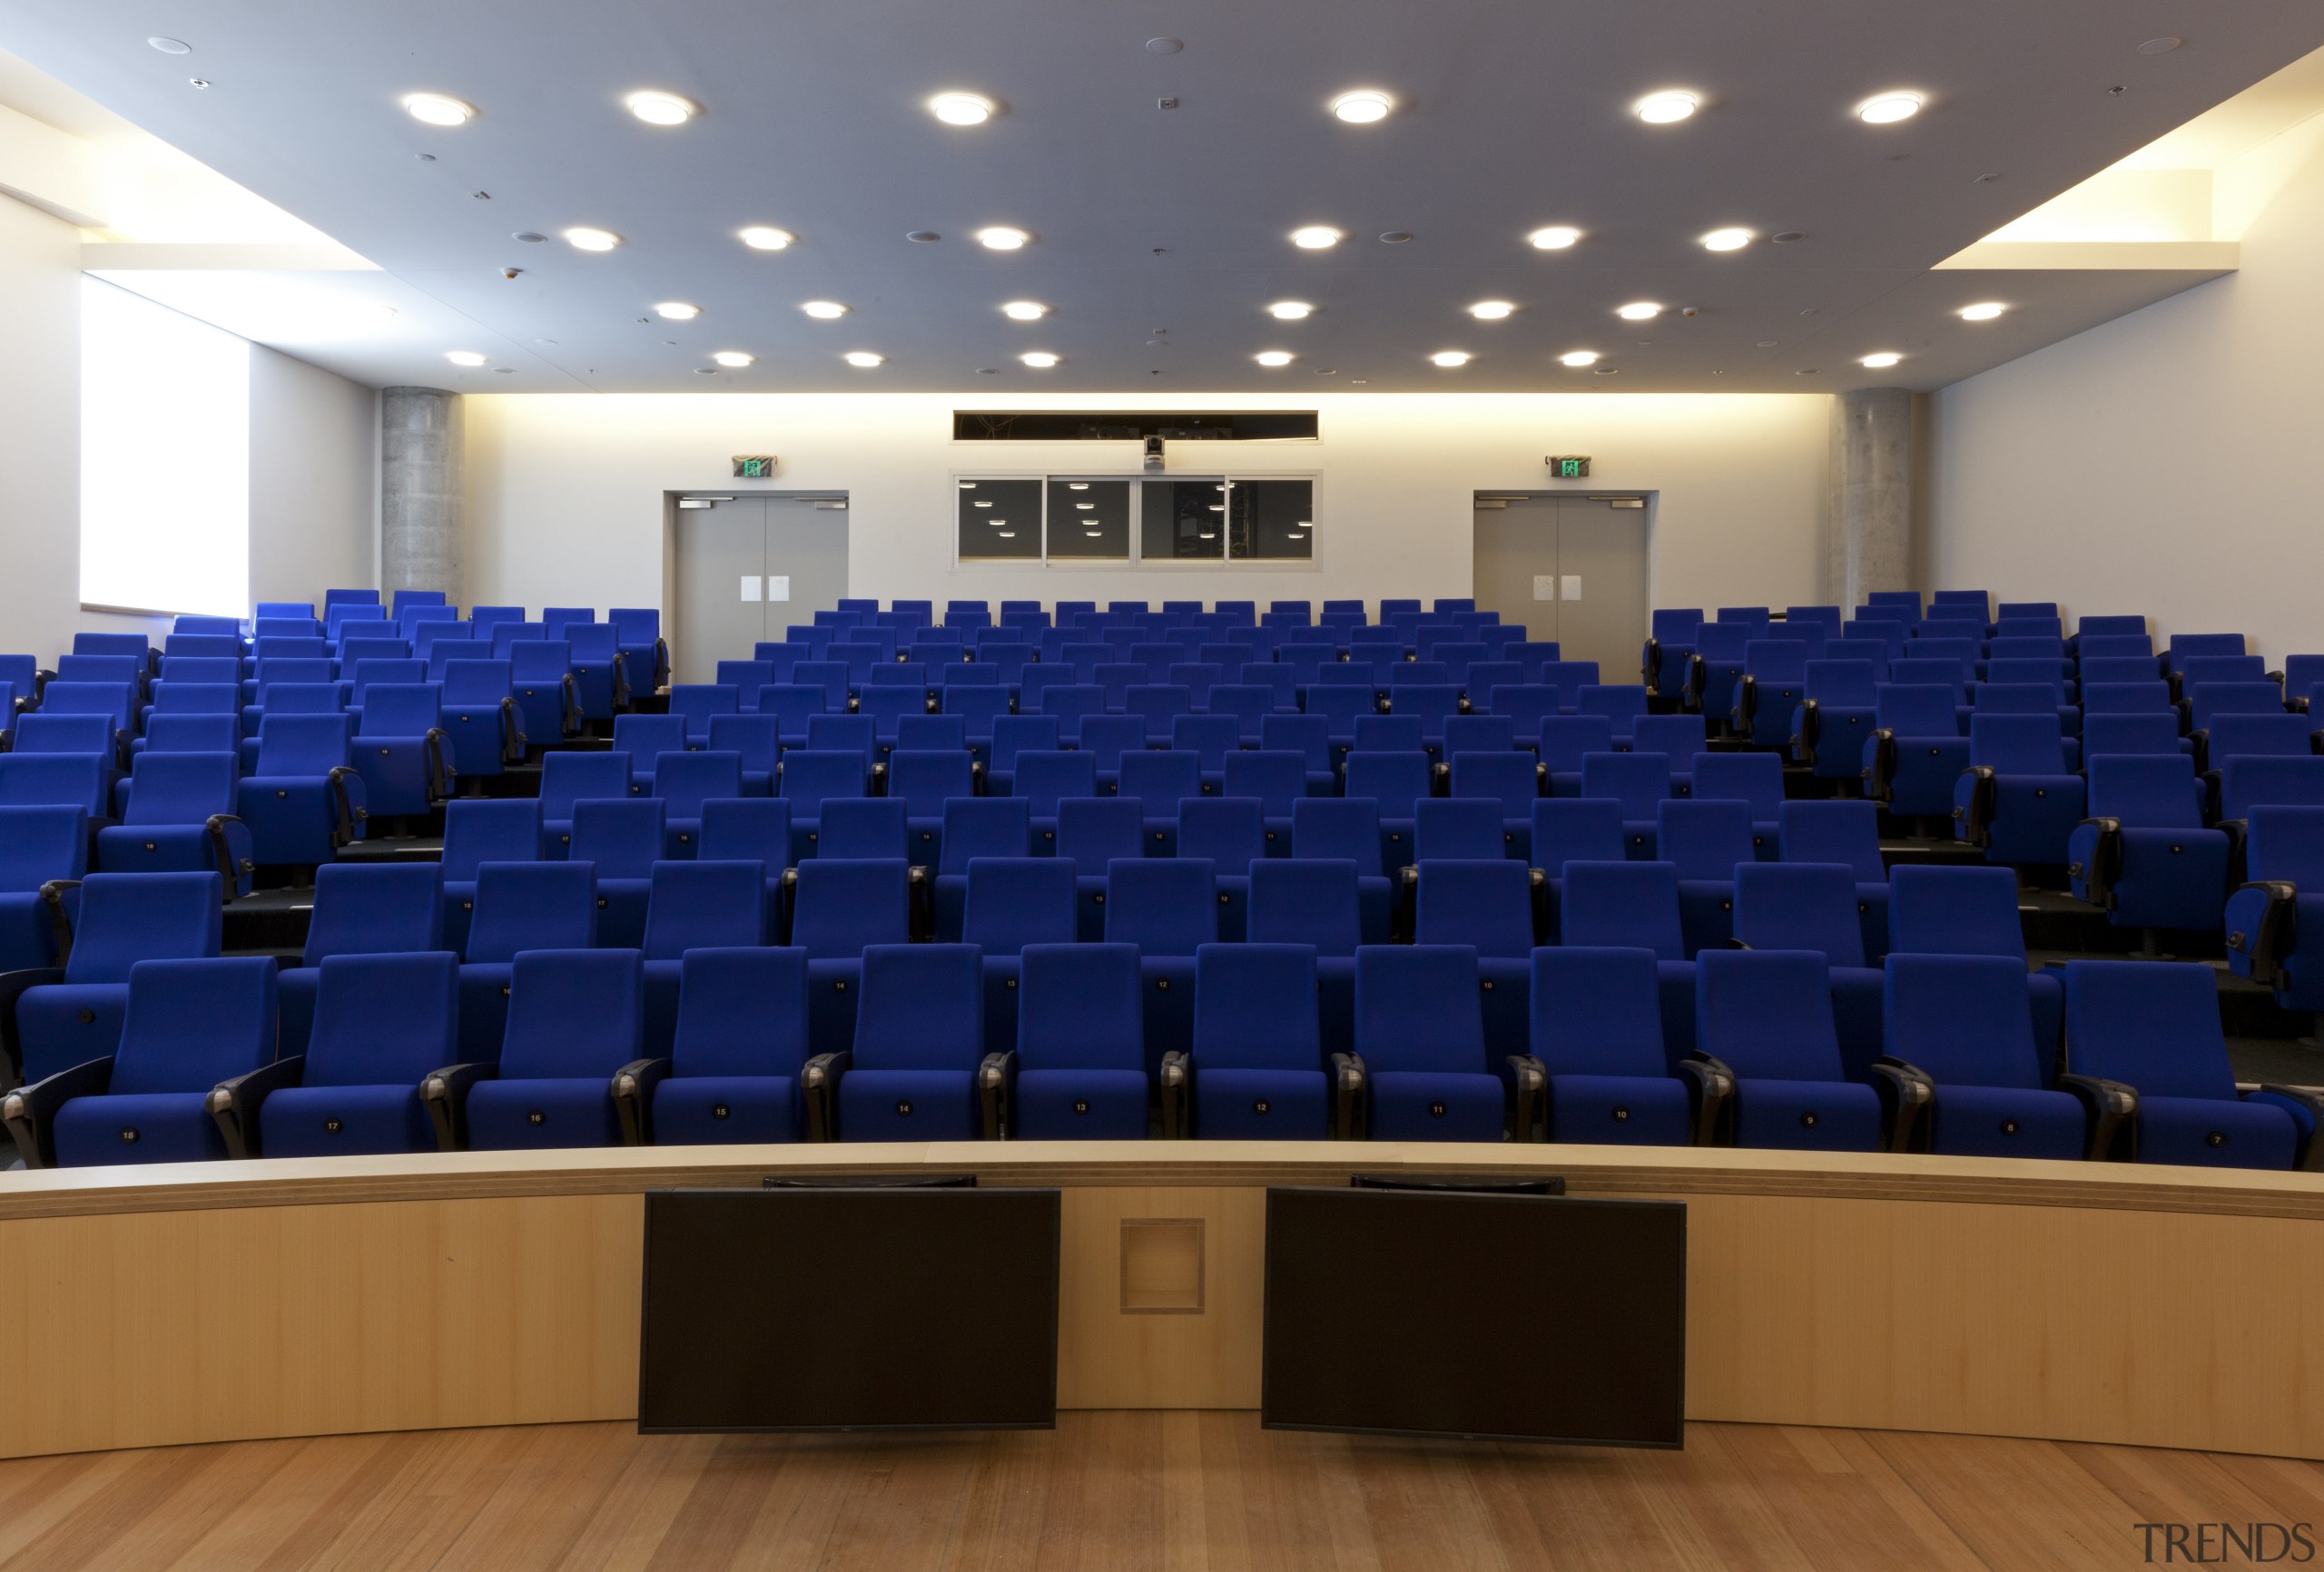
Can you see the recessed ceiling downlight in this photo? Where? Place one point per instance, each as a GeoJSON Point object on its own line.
{"type": "Point", "coordinates": [1040, 360]}
{"type": "Point", "coordinates": [657, 108]}
{"type": "Point", "coordinates": [1449, 358]}
{"type": "Point", "coordinates": [766, 238]}
{"type": "Point", "coordinates": [1315, 237]}
{"type": "Point", "coordinates": [824, 311]}
{"type": "Point", "coordinates": [436, 109]}
{"type": "Point", "coordinates": [582, 238]}
{"type": "Point", "coordinates": [1639, 311]}
{"type": "Point", "coordinates": [1274, 357]}
{"type": "Point", "coordinates": [465, 357]}
{"type": "Point", "coordinates": [1882, 360]}
{"type": "Point", "coordinates": [1888, 108]}
{"type": "Point", "coordinates": [1579, 357]}
{"type": "Point", "coordinates": [1556, 237]}
{"type": "Point", "coordinates": [1001, 238]}
{"type": "Point", "coordinates": [1491, 311]}
{"type": "Point", "coordinates": [1291, 311]}
{"type": "Point", "coordinates": [677, 311]}
{"type": "Point", "coordinates": [1666, 108]}
{"type": "Point", "coordinates": [1984, 311]}
{"type": "Point", "coordinates": [1363, 107]}
{"type": "Point", "coordinates": [863, 359]}
{"type": "Point", "coordinates": [1728, 240]}
{"type": "Point", "coordinates": [1024, 311]}
{"type": "Point", "coordinates": [960, 108]}
{"type": "Point", "coordinates": [732, 359]}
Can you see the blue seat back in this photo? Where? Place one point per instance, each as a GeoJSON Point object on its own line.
{"type": "Point", "coordinates": [1230, 832]}
{"type": "Point", "coordinates": [704, 906]}
{"type": "Point", "coordinates": [127, 917]}
{"type": "Point", "coordinates": [1624, 904]}
{"type": "Point", "coordinates": [1167, 906]}
{"type": "Point", "coordinates": [1705, 837]}
{"type": "Point", "coordinates": [1596, 1011]}
{"type": "Point", "coordinates": [1846, 832]}
{"type": "Point", "coordinates": [1852, 683]}
{"type": "Point", "coordinates": [1800, 906]}
{"type": "Point", "coordinates": [573, 1014]}
{"type": "Point", "coordinates": [1309, 901]}
{"type": "Point", "coordinates": [481, 829]}
{"type": "Point", "coordinates": [1418, 1009]}
{"type": "Point", "coordinates": [567, 778]}
{"type": "Point", "coordinates": [1639, 781]}
{"type": "Point", "coordinates": [1756, 778]}
{"type": "Point", "coordinates": [922, 1009]}
{"type": "Point", "coordinates": [1014, 901]}
{"type": "Point", "coordinates": [2018, 745]}
{"type": "Point", "coordinates": [375, 908]}
{"type": "Point", "coordinates": [2280, 736]}
{"type": "Point", "coordinates": [1766, 1014]}
{"type": "Point", "coordinates": [1255, 1007]}
{"type": "Point", "coordinates": [1964, 1019]}
{"type": "Point", "coordinates": [2154, 1025]}
{"type": "Point", "coordinates": [2249, 783]}
{"type": "Point", "coordinates": [38, 844]}
{"type": "Point", "coordinates": [923, 781]}
{"type": "Point", "coordinates": [2286, 844]}
{"type": "Point", "coordinates": [1576, 830]}
{"type": "Point", "coordinates": [1091, 831]}
{"type": "Point", "coordinates": [1486, 905]}
{"type": "Point", "coordinates": [1337, 828]}
{"type": "Point", "coordinates": [293, 745]}
{"type": "Point", "coordinates": [1078, 1008]}
{"type": "Point", "coordinates": [191, 1024]}
{"type": "Point", "coordinates": [620, 837]}
{"type": "Point", "coordinates": [522, 906]}
{"type": "Point", "coordinates": [813, 776]}
{"type": "Point", "coordinates": [840, 905]}
{"type": "Point", "coordinates": [1939, 910]}
{"type": "Point", "coordinates": [383, 1019]}
{"type": "Point", "coordinates": [2140, 698]}
{"type": "Point", "coordinates": [1044, 780]}
{"type": "Point", "coordinates": [746, 830]}
{"type": "Point", "coordinates": [2147, 791]}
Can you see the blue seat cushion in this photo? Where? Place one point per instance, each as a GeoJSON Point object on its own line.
{"type": "Point", "coordinates": [26, 938]}
{"type": "Point", "coordinates": [2182, 1130]}
{"type": "Point", "coordinates": [1261, 1104]}
{"type": "Point", "coordinates": [295, 1121]}
{"type": "Point", "coordinates": [170, 1128]}
{"type": "Point", "coordinates": [715, 1110]}
{"type": "Point", "coordinates": [55, 1037]}
{"type": "Point", "coordinates": [2006, 1122]}
{"type": "Point", "coordinates": [517, 1115]}
{"type": "Point", "coordinates": [1815, 1116]}
{"type": "Point", "coordinates": [909, 1106]}
{"type": "Point", "coordinates": [1079, 1104]}
{"type": "Point", "coordinates": [1435, 1106]}
{"type": "Point", "coordinates": [1619, 1110]}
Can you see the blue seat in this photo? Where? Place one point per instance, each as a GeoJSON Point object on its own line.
{"type": "Point", "coordinates": [401, 749]}
{"type": "Point", "coordinates": [380, 1023]}
{"type": "Point", "coordinates": [303, 799]}
{"type": "Point", "coordinates": [52, 1019]}
{"type": "Point", "coordinates": [739, 1051]}
{"type": "Point", "coordinates": [1768, 1051]}
{"type": "Point", "coordinates": [1813, 906]}
{"type": "Point", "coordinates": [1256, 1069]}
{"type": "Point", "coordinates": [180, 819]}
{"type": "Point", "coordinates": [518, 906]}
{"type": "Point", "coordinates": [1846, 832]}
{"type": "Point", "coordinates": [540, 676]}
{"type": "Point", "coordinates": [1492, 907]}
{"type": "Point", "coordinates": [477, 830]}
{"type": "Point", "coordinates": [37, 846]}
{"type": "Point", "coordinates": [1230, 833]}
{"type": "Point", "coordinates": [1278, 779]}
{"type": "Point", "coordinates": [685, 782]}
{"type": "Point", "coordinates": [360, 909]}
{"type": "Point", "coordinates": [1963, 1077]}
{"type": "Point", "coordinates": [697, 703]}
{"type": "Point", "coordinates": [1770, 688]}
{"type": "Point", "coordinates": [82, 781]}
{"type": "Point", "coordinates": [1420, 1041]}
{"type": "Point", "coordinates": [1640, 782]}
{"type": "Point", "coordinates": [1836, 718]}
{"type": "Point", "coordinates": [1707, 839]}
{"type": "Point", "coordinates": [576, 1030]}
{"type": "Point", "coordinates": [1013, 903]}
{"type": "Point", "coordinates": [189, 1029]}
{"type": "Point", "coordinates": [1632, 905]}
{"type": "Point", "coordinates": [645, 737]}
{"type": "Point", "coordinates": [2107, 733]}
{"type": "Point", "coordinates": [2018, 800]}
{"type": "Point", "coordinates": [693, 906]}
{"type": "Point", "coordinates": [1917, 751]}
{"type": "Point", "coordinates": [2143, 855]}
{"type": "Point", "coordinates": [2275, 923]}
{"type": "Point", "coordinates": [857, 827]}
{"type": "Point", "coordinates": [1447, 827]}
{"type": "Point", "coordinates": [1573, 829]}
{"type": "Point", "coordinates": [483, 727]}
{"type": "Point", "coordinates": [1939, 910]}
{"type": "Point", "coordinates": [839, 907]}
{"type": "Point", "coordinates": [2254, 781]}
{"type": "Point", "coordinates": [621, 838]}
{"type": "Point", "coordinates": [1717, 669]}
{"type": "Point", "coordinates": [1161, 780]}
{"type": "Point", "coordinates": [807, 778]}
{"type": "Point", "coordinates": [1168, 908]}
{"type": "Point", "coordinates": [1045, 778]}
{"type": "Point", "coordinates": [1754, 779]}
{"type": "Point", "coordinates": [1596, 1029]}
{"type": "Point", "coordinates": [1079, 1071]}
{"type": "Point", "coordinates": [1091, 831]}
{"type": "Point", "coordinates": [569, 777]}
{"type": "Point", "coordinates": [2148, 1056]}
{"type": "Point", "coordinates": [1316, 902]}
{"type": "Point", "coordinates": [1513, 782]}
{"type": "Point", "coordinates": [916, 1071]}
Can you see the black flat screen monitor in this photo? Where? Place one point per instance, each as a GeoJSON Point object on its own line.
{"type": "Point", "coordinates": [847, 1309]}
{"type": "Point", "coordinates": [1492, 1316]}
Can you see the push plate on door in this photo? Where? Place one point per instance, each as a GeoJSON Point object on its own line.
{"type": "Point", "coordinates": [1545, 586]}
{"type": "Point", "coordinates": [778, 586]}
{"type": "Point", "coordinates": [1572, 587]}
{"type": "Point", "coordinates": [750, 586]}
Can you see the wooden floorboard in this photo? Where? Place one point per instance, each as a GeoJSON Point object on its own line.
{"type": "Point", "coordinates": [1124, 1492]}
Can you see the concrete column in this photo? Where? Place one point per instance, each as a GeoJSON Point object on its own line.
{"type": "Point", "coordinates": [422, 457]}
{"type": "Point", "coordinates": [1870, 544]}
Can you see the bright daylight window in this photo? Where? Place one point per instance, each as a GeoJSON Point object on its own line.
{"type": "Point", "coordinates": [165, 415]}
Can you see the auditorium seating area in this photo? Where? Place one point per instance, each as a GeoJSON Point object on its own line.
{"type": "Point", "coordinates": [1201, 870]}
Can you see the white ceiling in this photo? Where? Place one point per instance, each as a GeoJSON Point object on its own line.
{"type": "Point", "coordinates": [1514, 113]}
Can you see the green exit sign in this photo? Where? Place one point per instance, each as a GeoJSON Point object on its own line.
{"type": "Point", "coordinates": [1570, 467]}
{"type": "Point", "coordinates": [753, 466]}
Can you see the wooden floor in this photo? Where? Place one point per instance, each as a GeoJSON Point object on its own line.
{"type": "Point", "coordinates": [1110, 1491]}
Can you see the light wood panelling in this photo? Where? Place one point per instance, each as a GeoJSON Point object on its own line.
{"type": "Point", "coordinates": [1162, 1265]}
{"type": "Point", "coordinates": [1114, 1357]}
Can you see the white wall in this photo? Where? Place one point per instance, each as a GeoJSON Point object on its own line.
{"type": "Point", "coordinates": [2166, 462]}
{"type": "Point", "coordinates": [40, 432]}
{"type": "Point", "coordinates": [564, 492]}
{"type": "Point", "coordinates": [314, 480]}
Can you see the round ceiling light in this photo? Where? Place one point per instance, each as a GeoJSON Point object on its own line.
{"type": "Point", "coordinates": [864, 359]}
{"type": "Point", "coordinates": [1888, 108]}
{"type": "Point", "coordinates": [582, 238]}
{"type": "Point", "coordinates": [436, 109]}
{"type": "Point", "coordinates": [1882, 360]}
{"type": "Point", "coordinates": [1291, 311]}
{"type": "Point", "coordinates": [1556, 237]}
{"type": "Point", "coordinates": [1024, 311]}
{"type": "Point", "coordinates": [1040, 360]}
{"type": "Point", "coordinates": [1730, 239]}
{"type": "Point", "coordinates": [464, 357]}
{"type": "Point", "coordinates": [960, 108]}
{"type": "Point", "coordinates": [1984, 311]}
{"type": "Point", "coordinates": [732, 359]}
{"type": "Point", "coordinates": [1491, 311]}
{"type": "Point", "coordinates": [677, 311]}
{"type": "Point", "coordinates": [656, 108]}
{"type": "Point", "coordinates": [763, 238]}
{"type": "Point", "coordinates": [1639, 311]}
{"type": "Point", "coordinates": [824, 311]}
{"type": "Point", "coordinates": [1449, 358]}
{"type": "Point", "coordinates": [1363, 107]}
{"type": "Point", "coordinates": [1001, 238]}
{"type": "Point", "coordinates": [1666, 108]}
{"type": "Point", "coordinates": [1272, 356]}
{"type": "Point", "coordinates": [1579, 357]}
{"type": "Point", "coordinates": [1315, 237]}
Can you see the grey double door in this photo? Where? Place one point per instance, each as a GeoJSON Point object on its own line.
{"type": "Point", "coordinates": [746, 570]}
{"type": "Point", "coordinates": [1570, 568]}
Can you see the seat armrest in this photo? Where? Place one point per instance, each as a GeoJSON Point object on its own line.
{"type": "Point", "coordinates": [347, 813]}
{"type": "Point", "coordinates": [1811, 727]}
{"type": "Point", "coordinates": [819, 1081]}
{"type": "Point", "coordinates": [1974, 818]}
{"type": "Point", "coordinates": [919, 894]}
{"type": "Point", "coordinates": [1880, 775]}
{"type": "Point", "coordinates": [2202, 741]}
{"type": "Point", "coordinates": [436, 748]}
{"type": "Point", "coordinates": [443, 1092]}
{"type": "Point", "coordinates": [2274, 937]}
{"type": "Point", "coordinates": [633, 1093]}
{"type": "Point", "coordinates": [233, 1105]}
{"type": "Point", "coordinates": [1710, 1089]}
{"type": "Point", "coordinates": [13, 985]}
{"type": "Point", "coordinates": [996, 1095]}
{"type": "Point", "coordinates": [1746, 702]}
{"type": "Point", "coordinates": [1907, 1095]}
{"type": "Point", "coordinates": [1176, 1088]}
{"type": "Point", "coordinates": [30, 1112]}
{"type": "Point", "coordinates": [1407, 896]}
{"type": "Point", "coordinates": [60, 925]}
{"type": "Point", "coordinates": [569, 706]}
{"type": "Point", "coordinates": [2239, 861]}
{"type": "Point", "coordinates": [513, 741]}
{"type": "Point", "coordinates": [220, 828]}
{"type": "Point", "coordinates": [2112, 1110]}
{"type": "Point", "coordinates": [2104, 865]}
{"type": "Point", "coordinates": [1351, 1119]}
{"type": "Point", "coordinates": [1650, 667]}
{"type": "Point", "coordinates": [1528, 1081]}
{"type": "Point", "coordinates": [2310, 1158]}
{"type": "Point", "coordinates": [1697, 677]}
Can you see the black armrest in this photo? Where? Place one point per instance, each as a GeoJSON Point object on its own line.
{"type": "Point", "coordinates": [2310, 1158]}
{"type": "Point", "coordinates": [1406, 894]}
{"type": "Point", "coordinates": [30, 1112]}
{"type": "Point", "coordinates": [1650, 667]}
{"type": "Point", "coordinates": [1710, 1089]}
{"type": "Point", "coordinates": [919, 896]}
{"type": "Point", "coordinates": [2105, 864]}
{"type": "Point", "coordinates": [1906, 1093]}
{"type": "Point", "coordinates": [2275, 936]}
{"type": "Point", "coordinates": [436, 748]}
{"type": "Point", "coordinates": [345, 814]}
{"type": "Point", "coordinates": [2202, 741]}
{"type": "Point", "coordinates": [1350, 1118]}
{"type": "Point", "coordinates": [1880, 775]}
{"type": "Point", "coordinates": [569, 706]}
{"type": "Point", "coordinates": [996, 1095]}
{"type": "Point", "coordinates": [233, 1105]}
{"type": "Point", "coordinates": [230, 868]}
{"type": "Point", "coordinates": [622, 689]}
{"type": "Point", "coordinates": [1537, 893]}
{"type": "Point", "coordinates": [513, 739]}
{"type": "Point", "coordinates": [1177, 1098]}
{"type": "Point", "coordinates": [13, 985]}
{"type": "Point", "coordinates": [1697, 677]}
{"type": "Point", "coordinates": [819, 1081]}
{"type": "Point", "coordinates": [1746, 702]}
{"type": "Point", "coordinates": [1811, 727]}
{"type": "Point", "coordinates": [60, 926]}
{"type": "Point", "coordinates": [2239, 861]}
{"type": "Point", "coordinates": [1979, 813]}
{"type": "Point", "coordinates": [632, 1093]}
{"type": "Point", "coordinates": [443, 1092]}
{"type": "Point", "coordinates": [1529, 1093]}
{"type": "Point", "coordinates": [2111, 1109]}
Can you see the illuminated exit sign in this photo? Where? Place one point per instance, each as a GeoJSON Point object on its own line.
{"type": "Point", "coordinates": [753, 466]}
{"type": "Point", "coordinates": [1570, 467]}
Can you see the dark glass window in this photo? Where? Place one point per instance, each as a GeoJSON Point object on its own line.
{"type": "Point", "coordinates": [1001, 520]}
{"type": "Point", "coordinates": [1183, 520]}
{"type": "Point", "coordinates": [1089, 520]}
{"type": "Point", "coordinates": [1272, 520]}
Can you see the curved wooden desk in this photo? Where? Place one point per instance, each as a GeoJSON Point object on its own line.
{"type": "Point", "coordinates": [197, 1302]}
